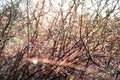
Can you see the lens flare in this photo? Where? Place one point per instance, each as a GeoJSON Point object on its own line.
{"type": "Point", "coordinates": [35, 61]}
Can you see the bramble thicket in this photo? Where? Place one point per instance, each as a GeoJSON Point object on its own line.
{"type": "Point", "coordinates": [59, 39]}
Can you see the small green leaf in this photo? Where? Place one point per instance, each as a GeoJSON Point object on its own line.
{"type": "Point", "coordinates": [71, 78]}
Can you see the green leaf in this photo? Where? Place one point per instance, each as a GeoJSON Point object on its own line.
{"type": "Point", "coordinates": [71, 78]}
